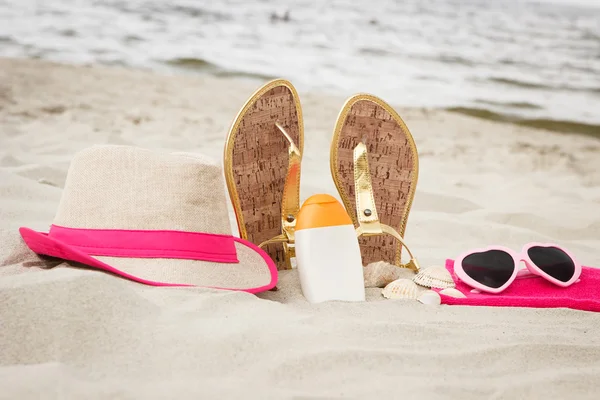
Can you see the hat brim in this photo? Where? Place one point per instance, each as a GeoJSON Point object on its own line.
{"type": "Point", "coordinates": [254, 273]}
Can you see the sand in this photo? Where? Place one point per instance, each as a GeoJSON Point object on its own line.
{"type": "Point", "coordinates": [74, 333]}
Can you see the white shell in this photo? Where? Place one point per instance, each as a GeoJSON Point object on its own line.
{"type": "Point", "coordinates": [380, 273]}
{"type": "Point", "coordinates": [401, 289]}
{"type": "Point", "coordinates": [453, 293]}
{"type": "Point", "coordinates": [434, 277]}
{"type": "Point", "coordinates": [430, 298]}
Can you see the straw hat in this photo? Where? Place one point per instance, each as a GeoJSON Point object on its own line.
{"type": "Point", "coordinates": [158, 219]}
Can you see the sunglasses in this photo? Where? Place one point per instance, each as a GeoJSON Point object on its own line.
{"type": "Point", "coordinates": [494, 268]}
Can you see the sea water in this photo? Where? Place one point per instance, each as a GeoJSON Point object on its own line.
{"type": "Point", "coordinates": [534, 63]}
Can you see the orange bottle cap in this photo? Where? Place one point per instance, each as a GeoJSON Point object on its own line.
{"type": "Point", "coordinates": [321, 210]}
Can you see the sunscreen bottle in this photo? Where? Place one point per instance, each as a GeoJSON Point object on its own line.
{"type": "Point", "coordinates": [327, 252]}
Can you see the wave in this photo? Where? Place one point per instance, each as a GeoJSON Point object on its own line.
{"type": "Point", "coordinates": [156, 9]}
{"type": "Point", "coordinates": [589, 35]}
{"type": "Point", "coordinates": [199, 12]}
{"type": "Point", "coordinates": [442, 58]}
{"type": "Point", "coordinates": [508, 61]}
{"type": "Point", "coordinates": [132, 39]}
{"type": "Point", "coordinates": [586, 69]}
{"type": "Point", "coordinates": [541, 86]}
{"type": "Point", "coordinates": [511, 104]}
{"type": "Point", "coordinates": [201, 65]}
{"type": "Point", "coordinates": [375, 52]}
{"type": "Point", "coordinates": [431, 78]}
{"type": "Point", "coordinates": [190, 62]}
{"type": "Point", "coordinates": [448, 59]}
{"type": "Point", "coordinates": [538, 123]}
{"type": "Point", "coordinates": [522, 84]}
{"type": "Point", "coordinates": [445, 59]}
{"type": "Point", "coordinates": [67, 32]}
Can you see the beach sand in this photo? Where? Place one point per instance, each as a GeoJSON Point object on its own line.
{"type": "Point", "coordinates": [74, 333]}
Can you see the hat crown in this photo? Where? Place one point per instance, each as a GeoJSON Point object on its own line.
{"type": "Point", "coordinates": [123, 187]}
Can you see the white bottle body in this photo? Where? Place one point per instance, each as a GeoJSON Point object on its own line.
{"type": "Point", "coordinates": [329, 264]}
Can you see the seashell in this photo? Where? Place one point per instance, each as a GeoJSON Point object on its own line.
{"type": "Point", "coordinates": [401, 289]}
{"type": "Point", "coordinates": [430, 298]}
{"type": "Point", "coordinates": [434, 277]}
{"type": "Point", "coordinates": [453, 293]}
{"type": "Point", "coordinates": [379, 274]}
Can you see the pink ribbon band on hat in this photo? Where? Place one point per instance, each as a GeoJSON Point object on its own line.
{"type": "Point", "coordinates": [148, 243]}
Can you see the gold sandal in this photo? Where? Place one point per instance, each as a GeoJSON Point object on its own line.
{"type": "Point", "coordinates": [369, 133]}
{"type": "Point", "coordinates": [366, 211]}
{"type": "Point", "coordinates": [262, 169]}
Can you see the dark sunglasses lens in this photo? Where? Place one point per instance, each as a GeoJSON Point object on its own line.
{"type": "Point", "coordinates": [553, 261]}
{"type": "Point", "coordinates": [492, 268]}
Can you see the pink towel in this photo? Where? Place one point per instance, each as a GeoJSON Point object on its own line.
{"type": "Point", "coordinates": [534, 292]}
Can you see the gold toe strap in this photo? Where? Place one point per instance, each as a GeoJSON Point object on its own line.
{"type": "Point", "coordinates": [363, 189]}
{"type": "Point", "coordinates": [277, 239]}
{"type": "Point", "coordinates": [368, 220]}
{"type": "Point", "coordinates": [290, 201]}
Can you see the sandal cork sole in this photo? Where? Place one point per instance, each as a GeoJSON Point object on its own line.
{"type": "Point", "coordinates": [257, 162]}
{"type": "Point", "coordinates": [394, 167]}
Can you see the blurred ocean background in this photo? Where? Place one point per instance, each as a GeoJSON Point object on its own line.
{"type": "Point", "coordinates": [534, 63]}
